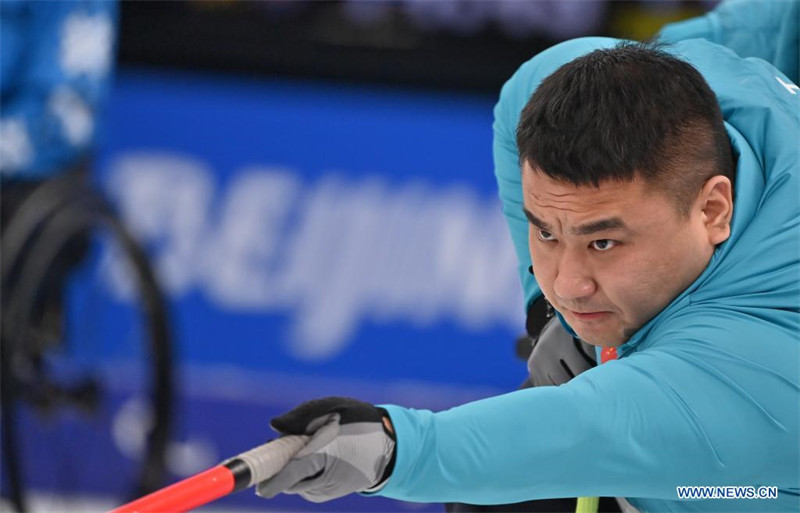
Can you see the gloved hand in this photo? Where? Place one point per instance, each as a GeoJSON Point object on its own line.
{"type": "Point", "coordinates": [351, 450]}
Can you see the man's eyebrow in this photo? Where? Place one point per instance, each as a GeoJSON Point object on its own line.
{"type": "Point", "coordinates": [612, 223]}
{"type": "Point", "coordinates": [536, 221]}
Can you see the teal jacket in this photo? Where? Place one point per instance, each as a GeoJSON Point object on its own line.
{"type": "Point", "coordinates": [769, 30]}
{"type": "Point", "coordinates": [706, 393]}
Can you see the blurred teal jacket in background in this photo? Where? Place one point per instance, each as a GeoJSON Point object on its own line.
{"type": "Point", "coordinates": [56, 64]}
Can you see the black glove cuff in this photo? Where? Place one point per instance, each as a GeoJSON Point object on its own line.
{"type": "Point", "coordinates": [296, 421]}
{"type": "Point", "coordinates": [387, 472]}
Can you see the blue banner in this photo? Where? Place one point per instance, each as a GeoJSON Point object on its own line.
{"type": "Point", "coordinates": [313, 240]}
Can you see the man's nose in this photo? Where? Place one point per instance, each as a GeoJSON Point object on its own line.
{"type": "Point", "coordinates": [573, 279]}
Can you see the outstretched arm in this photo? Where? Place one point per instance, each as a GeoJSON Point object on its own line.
{"type": "Point", "coordinates": [682, 413]}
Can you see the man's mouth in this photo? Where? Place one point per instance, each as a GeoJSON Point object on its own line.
{"type": "Point", "coordinates": [589, 316]}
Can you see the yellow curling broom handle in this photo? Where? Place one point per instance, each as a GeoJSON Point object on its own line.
{"type": "Point", "coordinates": [587, 505]}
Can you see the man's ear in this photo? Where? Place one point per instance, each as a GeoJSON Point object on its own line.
{"type": "Point", "coordinates": [716, 203]}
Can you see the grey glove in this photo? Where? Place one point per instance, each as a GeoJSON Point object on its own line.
{"type": "Point", "coordinates": [351, 450]}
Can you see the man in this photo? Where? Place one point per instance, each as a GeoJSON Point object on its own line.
{"type": "Point", "coordinates": [56, 62]}
{"type": "Point", "coordinates": [655, 193]}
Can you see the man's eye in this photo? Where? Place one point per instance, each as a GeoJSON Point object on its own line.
{"type": "Point", "coordinates": [545, 235]}
{"type": "Point", "coordinates": [603, 244]}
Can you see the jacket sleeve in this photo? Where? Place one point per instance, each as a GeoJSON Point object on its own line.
{"type": "Point", "coordinates": [683, 412]}
{"type": "Point", "coordinates": [767, 29]}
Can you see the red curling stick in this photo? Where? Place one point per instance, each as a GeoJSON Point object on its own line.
{"type": "Point", "coordinates": [237, 473]}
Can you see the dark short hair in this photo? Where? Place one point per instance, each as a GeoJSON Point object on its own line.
{"type": "Point", "coordinates": [627, 111]}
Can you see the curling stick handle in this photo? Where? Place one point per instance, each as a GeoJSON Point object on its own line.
{"type": "Point", "coordinates": [264, 461]}
{"type": "Point", "coordinates": [235, 474]}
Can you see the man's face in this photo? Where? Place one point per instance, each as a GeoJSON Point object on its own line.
{"type": "Point", "coordinates": [610, 258]}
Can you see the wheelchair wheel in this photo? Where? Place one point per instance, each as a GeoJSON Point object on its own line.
{"type": "Point", "coordinates": [64, 387]}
